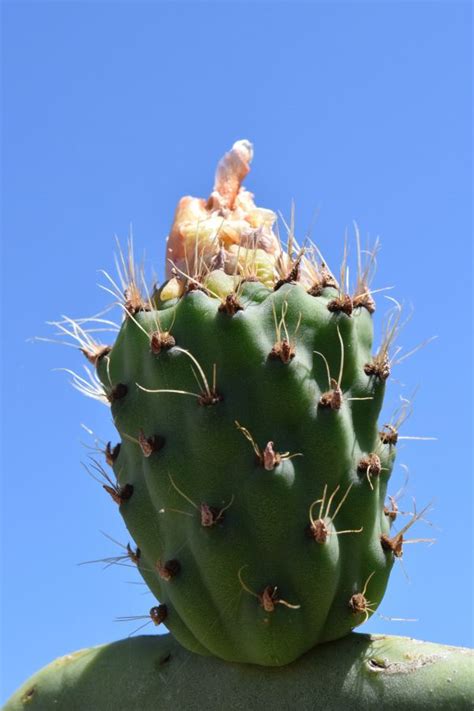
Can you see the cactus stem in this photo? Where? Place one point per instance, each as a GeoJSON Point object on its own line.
{"type": "Point", "coordinates": [268, 598]}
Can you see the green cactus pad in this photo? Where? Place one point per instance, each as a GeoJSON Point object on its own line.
{"type": "Point", "coordinates": [360, 672]}
{"type": "Point", "coordinates": [251, 469]}
{"type": "Point", "coordinates": [251, 473]}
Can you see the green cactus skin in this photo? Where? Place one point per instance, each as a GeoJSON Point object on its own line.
{"type": "Point", "coordinates": [359, 672]}
{"type": "Point", "coordinates": [254, 582]}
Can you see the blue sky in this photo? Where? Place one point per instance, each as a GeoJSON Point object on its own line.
{"type": "Point", "coordinates": [112, 111]}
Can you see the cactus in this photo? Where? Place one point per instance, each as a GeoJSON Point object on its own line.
{"type": "Point", "coordinates": [251, 470]}
{"type": "Point", "coordinates": [252, 475]}
{"type": "Point", "coordinates": [359, 672]}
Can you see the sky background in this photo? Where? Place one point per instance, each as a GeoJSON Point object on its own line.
{"type": "Point", "coordinates": [112, 111]}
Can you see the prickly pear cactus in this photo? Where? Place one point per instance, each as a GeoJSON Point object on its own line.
{"type": "Point", "coordinates": [251, 469]}
{"type": "Point", "coordinates": [151, 673]}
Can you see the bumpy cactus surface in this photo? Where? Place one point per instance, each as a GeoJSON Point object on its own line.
{"type": "Point", "coordinates": [360, 672]}
{"type": "Point", "coordinates": [251, 470]}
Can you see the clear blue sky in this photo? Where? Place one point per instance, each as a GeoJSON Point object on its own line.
{"type": "Point", "coordinates": [112, 111]}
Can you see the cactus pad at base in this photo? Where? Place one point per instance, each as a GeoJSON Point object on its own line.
{"type": "Point", "coordinates": [149, 673]}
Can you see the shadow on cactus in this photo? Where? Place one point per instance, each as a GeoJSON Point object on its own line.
{"type": "Point", "coordinates": [251, 467]}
